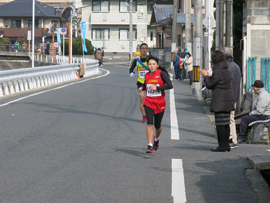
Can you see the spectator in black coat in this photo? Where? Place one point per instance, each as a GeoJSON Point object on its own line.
{"type": "Point", "coordinates": [222, 102]}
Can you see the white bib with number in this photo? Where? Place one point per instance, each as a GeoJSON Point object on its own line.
{"type": "Point", "coordinates": [142, 73]}
{"type": "Point", "coordinates": [153, 93]}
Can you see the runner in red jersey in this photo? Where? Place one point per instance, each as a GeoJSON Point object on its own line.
{"type": "Point", "coordinates": [156, 81]}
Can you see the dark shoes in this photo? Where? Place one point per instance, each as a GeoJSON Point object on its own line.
{"type": "Point", "coordinates": [156, 144]}
{"type": "Point", "coordinates": [150, 149]}
{"type": "Point", "coordinates": [220, 149]}
{"type": "Point", "coordinates": [241, 139]}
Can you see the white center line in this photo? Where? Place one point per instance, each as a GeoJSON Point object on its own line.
{"type": "Point", "coordinates": [174, 122]}
{"type": "Point", "coordinates": [178, 182]}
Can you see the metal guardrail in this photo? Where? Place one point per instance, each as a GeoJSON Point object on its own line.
{"type": "Point", "coordinates": [19, 80]}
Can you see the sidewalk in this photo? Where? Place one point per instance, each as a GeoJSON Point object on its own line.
{"type": "Point", "coordinates": [237, 165]}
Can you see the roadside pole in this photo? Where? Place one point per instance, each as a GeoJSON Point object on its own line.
{"type": "Point", "coordinates": [188, 26]}
{"type": "Point", "coordinates": [33, 35]}
{"type": "Point", "coordinates": [174, 30]}
{"type": "Point", "coordinates": [130, 30]}
{"type": "Point", "coordinates": [197, 48]}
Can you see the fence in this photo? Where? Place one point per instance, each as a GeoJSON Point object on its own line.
{"type": "Point", "coordinates": [264, 72]}
{"type": "Point", "coordinates": [265, 68]}
{"type": "Point", "coordinates": [19, 80]}
{"type": "Point", "coordinates": [251, 72]}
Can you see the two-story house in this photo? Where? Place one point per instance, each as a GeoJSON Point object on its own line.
{"type": "Point", "coordinates": [108, 23]}
{"type": "Point", "coordinates": [16, 19]}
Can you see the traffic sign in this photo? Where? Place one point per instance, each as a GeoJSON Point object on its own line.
{"type": "Point", "coordinates": [63, 30]}
{"type": "Point", "coordinates": [212, 21]}
{"type": "Point", "coordinates": [55, 44]}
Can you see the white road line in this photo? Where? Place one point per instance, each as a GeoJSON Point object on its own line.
{"type": "Point", "coordinates": [56, 88]}
{"type": "Point", "coordinates": [178, 182]}
{"type": "Point", "coordinates": [174, 122]}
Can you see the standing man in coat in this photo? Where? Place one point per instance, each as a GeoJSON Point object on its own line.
{"type": "Point", "coordinates": [236, 79]}
{"type": "Point", "coordinates": [176, 61]}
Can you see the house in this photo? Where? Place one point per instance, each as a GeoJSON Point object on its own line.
{"type": "Point", "coordinates": [16, 19]}
{"type": "Point", "coordinates": [108, 23]}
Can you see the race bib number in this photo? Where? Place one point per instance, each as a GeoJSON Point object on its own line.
{"type": "Point", "coordinates": [142, 73]}
{"type": "Point", "coordinates": [152, 93]}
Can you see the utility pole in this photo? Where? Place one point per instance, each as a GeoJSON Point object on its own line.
{"type": "Point", "coordinates": [188, 26]}
{"type": "Point", "coordinates": [229, 38]}
{"type": "Point", "coordinates": [217, 27]}
{"type": "Point", "coordinates": [221, 24]}
{"type": "Point", "coordinates": [197, 48]}
{"type": "Point", "coordinates": [33, 35]}
{"type": "Point", "coordinates": [174, 25]}
{"type": "Point", "coordinates": [130, 30]}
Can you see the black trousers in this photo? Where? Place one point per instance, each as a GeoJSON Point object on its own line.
{"type": "Point", "coordinates": [247, 119]}
{"type": "Point", "coordinates": [223, 134]}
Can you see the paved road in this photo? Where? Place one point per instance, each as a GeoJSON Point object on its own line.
{"type": "Point", "coordinates": [82, 142]}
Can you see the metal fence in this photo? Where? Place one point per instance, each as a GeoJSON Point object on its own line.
{"type": "Point", "coordinates": [163, 54]}
{"type": "Point", "coordinates": [264, 72]}
{"type": "Point", "coordinates": [265, 68]}
{"type": "Point", "coordinates": [251, 72]}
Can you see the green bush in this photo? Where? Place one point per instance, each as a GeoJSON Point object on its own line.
{"type": "Point", "coordinates": [77, 47]}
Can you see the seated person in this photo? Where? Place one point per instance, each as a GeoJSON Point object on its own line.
{"type": "Point", "coordinates": [260, 110]}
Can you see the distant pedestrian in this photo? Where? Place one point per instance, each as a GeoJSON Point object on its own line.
{"type": "Point", "coordinates": [102, 55]}
{"type": "Point", "coordinates": [95, 52]}
{"type": "Point", "coordinates": [184, 58]}
{"type": "Point", "coordinates": [189, 63]}
{"type": "Point", "coordinates": [24, 47]}
{"type": "Point", "coordinates": [222, 102]}
{"type": "Point", "coordinates": [181, 67]}
{"type": "Point", "coordinates": [7, 45]}
{"type": "Point", "coordinates": [236, 80]}
{"type": "Point", "coordinates": [176, 64]}
{"type": "Point", "coordinates": [137, 53]}
{"type": "Point", "coordinates": [98, 56]}
{"type": "Point", "coordinates": [17, 46]}
{"type": "Point", "coordinates": [156, 81]}
{"type": "Point", "coordinates": [48, 48]}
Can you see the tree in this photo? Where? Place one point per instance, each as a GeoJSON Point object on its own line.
{"type": "Point", "coordinates": [77, 47]}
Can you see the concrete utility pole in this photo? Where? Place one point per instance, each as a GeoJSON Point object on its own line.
{"type": "Point", "coordinates": [197, 48]}
{"type": "Point", "coordinates": [188, 26]}
{"type": "Point", "coordinates": [33, 35]}
{"type": "Point", "coordinates": [217, 27]}
{"type": "Point", "coordinates": [130, 30]}
{"type": "Point", "coordinates": [174, 25]}
{"type": "Point", "coordinates": [221, 24]}
{"type": "Point", "coordinates": [229, 37]}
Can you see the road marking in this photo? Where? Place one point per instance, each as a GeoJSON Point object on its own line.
{"type": "Point", "coordinates": [56, 88]}
{"type": "Point", "coordinates": [178, 182]}
{"type": "Point", "coordinates": [174, 122]}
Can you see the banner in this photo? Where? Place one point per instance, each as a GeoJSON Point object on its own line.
{"type": "Point", "coordinates": [83, 29]}
{"type": "Point", "coordinates": [58, 36]}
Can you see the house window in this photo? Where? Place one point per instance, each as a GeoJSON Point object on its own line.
{"type": "Point", "coordinates": [15, 23]}
{"type": "Point", "coordinates": [124, 5]}
{"type": "Point", "coordinates": [124, 34]}
{"type": "Point", "coordinates": [30, 23]}
{"type": "Point", "coordinates": [100, 34]}
{"type": "Point", "coordinates": [98, 5]}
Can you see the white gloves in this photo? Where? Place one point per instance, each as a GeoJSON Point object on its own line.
{"type": "Point", "coordinates": [132, 74]}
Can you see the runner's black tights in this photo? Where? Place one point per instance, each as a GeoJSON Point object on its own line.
{"type": "Point", "coordinates": [150, 115]}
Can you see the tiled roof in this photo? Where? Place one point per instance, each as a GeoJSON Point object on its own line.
{"type": "Point", "coordinates": [20, 32]}
{"type": "Point", "coordinates": [23, 8]}
{"type": "Point", "coordinates": [162, 11]}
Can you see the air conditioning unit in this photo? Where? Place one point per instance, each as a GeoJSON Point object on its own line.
{"type": "Point", "coordinates": [7, 25]}
{"type": "Point", "coordinates": [139, 16]}
{"type": "Point", "coordinates": [123, 46]}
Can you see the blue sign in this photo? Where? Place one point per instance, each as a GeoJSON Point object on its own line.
{"type": "Point", "coordinates": [83, 29]}
{"type": "Point", "coordinates": [63, 30]}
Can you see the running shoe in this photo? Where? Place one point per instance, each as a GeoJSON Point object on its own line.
{"type": "Point", "coordinates": [143, 120]}
{"type": "Point", "coordinates": [150, 149]}
{"type": "Point", "coordinates": [155, 144]}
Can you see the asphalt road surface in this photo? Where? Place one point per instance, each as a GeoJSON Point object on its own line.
{"type": "Point", "coordinates": [82, 142]}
